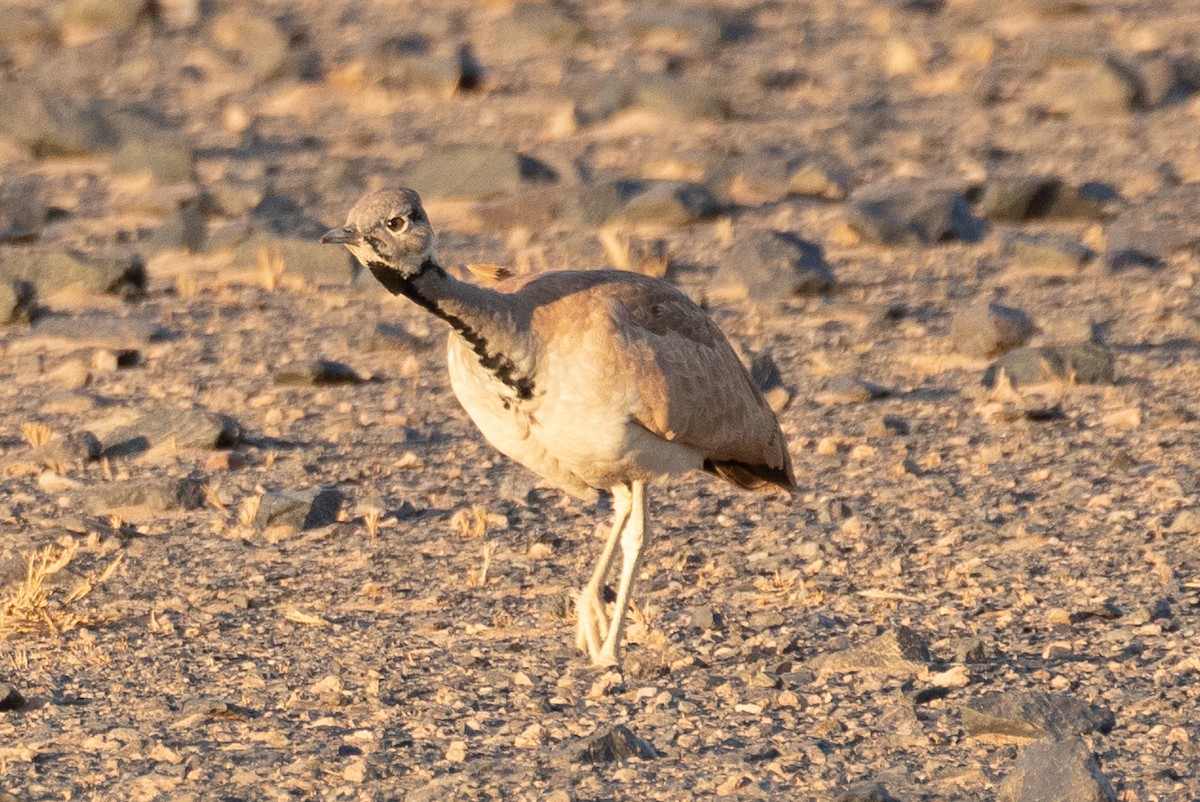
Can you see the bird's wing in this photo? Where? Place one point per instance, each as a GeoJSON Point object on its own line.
{"type": "Point", "coordinates": [691, 386]}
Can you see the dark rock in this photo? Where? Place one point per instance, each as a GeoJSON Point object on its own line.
{"type": "Point", "coordinates": [22, 210]}
{"type": "Point", "coordinates": [404, 62]}
{"type": "Point", "coordinates": [303, 258]}
{"type": "Point", "coordinates": [614, 745]}
{"type": "Point", "coordinates": [533, 28]}
{"type": "Point", "coordinates": [1087, 363]}
{"type": "Point", "coordinates": [61, 455]}
{"type": "Point", "coordinates": [301, 509]}
{"type": "Point", "coordinates": [48, 271]}
{"type": "Point", "coordinates": [255, 43]}
{"type": "Point", "coordinates": [989, 328]}
{"type": "Point", "coordinates": [1018, 199]}
{"type": "Point", "coordinates": [901, 651]}
{"type": "Point", "coordinates": [1152, 232]}
{"type": "Point", "coordinates": [704, 618]}
{"type": "Point", "coordinates": [866, 791]}
{"type": "Point", "coordinates": [166, 154]}
{"type": "Point", "coordinates": [316, 371]}
{"type": "Point", "coordinates": [1057, 771]}
{"type": "Point", "coordinates": [95, 17]}
{"type": "Point", "coordinates": [672, 97]}
{"type": "Point", "coordinates": [16, 300]}
{"type": "Point", "coordinates": [474, 171]}
{"type": "Point", "coordinates": [1033, 714]}
{"type": "Point", "coordinates": [769, 266]}
{"type": "Point", "coordinates": [1186, 521]}
{"type": "Point", "coordinates": [974, 650]}
{"type": "Point", "coordinates": [55, 126]}
{"type": "Point", "coordinates": [177, 428]}
{"type": "Point", "coordinates": [912, 213]}
{"type": "Point", "coordinates": [847, 388]}
{"type": "Point", "coordinates": [10, 698]}
{"type": "Point", "coordinates": [1048, 257]}
{"type": "Point", "coordinates": [656, 202]}
{"type": "Point", "coordinates": [101, 331]}
{"type": "Point", "coordinates": [186, 228]}
{"type": "Point", "coordinates": [688, 28]}
{"type": "Point", "coordinates": [158, 495]}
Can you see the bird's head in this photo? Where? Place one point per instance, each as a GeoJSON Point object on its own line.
{"type": "Point", "coordinates": [388, 230]}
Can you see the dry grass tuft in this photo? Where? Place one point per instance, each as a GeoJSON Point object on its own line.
{"type": "Point", "coordinates": [479, 578]}
{"type": "Point", "coordinates": [471, 521]}
{"type": "Point", "coordinates": [271, 267]}
{"type": "Point", "coordinates": [29, 607]}
{"type": "Point", "coordinates": [36, 434]}
{"type": "Point", "coordinates": [249, 509]}
{"type": "Point", "coordinates": [371, 519]}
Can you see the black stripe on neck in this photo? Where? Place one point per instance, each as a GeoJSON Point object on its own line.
{"type": "Point", "coordinates": [501, 366]}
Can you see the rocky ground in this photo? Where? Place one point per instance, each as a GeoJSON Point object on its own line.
{"type": "Point", "coordinates": [252, 549]}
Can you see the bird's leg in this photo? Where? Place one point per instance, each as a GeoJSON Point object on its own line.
{"type": "Point", "coordinates": [632, 539]}
{"type": "Point", "coordinates": [592, 625]}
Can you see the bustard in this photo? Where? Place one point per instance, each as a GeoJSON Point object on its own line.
{"type": "Point", "coordinates": [595, 380]}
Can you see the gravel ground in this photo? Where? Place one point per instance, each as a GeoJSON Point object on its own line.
{"type": "Point", "coordinates": [252, 548]}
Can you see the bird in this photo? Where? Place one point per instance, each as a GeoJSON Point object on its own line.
{"type": "Point", "coordinates": [597, 380]}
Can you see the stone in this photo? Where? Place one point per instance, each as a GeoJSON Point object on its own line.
{"type": "Point", "coordinates": [1087, 87]}
{"type": "Point", "coordinates": [866, 791]}
{"type": "Point", "coordinates": [186, 228]}
{"type": "Point", "coordinates": [22, 209]}
{"type": "Point", "coordinates": [175, 428]}
{"type": "Point", "coordinates": [405, 63]}
{"type": "Point", "coordinates": [897, 652]}
{"type": "Point", "coordinates": [1150, 233]}
{"type": "Point", "coordinates": [989, 329]}
{"type": "Point", "coordinates": [303, 258]}
{"type": "Point", "coordinates": [532, 28]}
{"type": "Point", "coordinates": [10, 698]}
{"type": "Point", "coordinates": [1048, 257]}
{"type": "Point", "coordinates": [1087, 363]}
{"type": "Point", "coordinates": [16, 300]}
{"type": "Point", "coordinates": [474, 171]}
{"type": "Point", "coordinates": [47, 271]}
{"type": "Point", "coordinates": [61, 455]}
{"type": "Point", "coordinates": [255, 42]}
{"type": "Point", "coordinates": [911, 213]}
{"type": "Point", "coordinates": [846, 388]}
{"type": "Point", "coordinates": [1019, 198]}
{"type": "Point", "coordinates": [684, 29]}
{"type": "Point", "coordinates": [1057, 771]}
{"type": "Point", "coordinates": [1034, 714]}
{"type": "Point", "coordinates": [82, 19]}
{"type": "Point", "coordinates": [316, 372]}
{"type": "Point", "coordinates": [671, 97]}
{"type": "Point", "coordinates": [166, 154]}
{"type": "Point", "coordinates": [614, 745]}
{"type": "Point", "coordinates": [53, 126]}
{"type": "Point", "coordinates": [771, 266]}
{"type": "Point", "coordinates": [25, 25]}
{"type": "Point", "coordinates": [1186, 522]}
{"type": "Point", "coordinates": [155, 494]}
{"type": "Point", "coordinates": [299, 510]}
{"type": "Point", "coordinates": [98, 330]}
{"type": "Point", "coordinates": [658, 202]}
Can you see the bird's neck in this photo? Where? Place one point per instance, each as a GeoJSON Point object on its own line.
{"type": "Point", "coordinates": [483, 318]}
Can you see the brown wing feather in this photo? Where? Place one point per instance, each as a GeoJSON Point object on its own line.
{"type": "Point", "coordinates": [695, 390]}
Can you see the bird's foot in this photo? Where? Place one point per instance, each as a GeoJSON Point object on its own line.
{"type": "Point", "coordinates": [591, 629]}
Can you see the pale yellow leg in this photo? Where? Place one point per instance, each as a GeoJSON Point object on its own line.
{"type": "Point", "coordinates": [632, 539]}
{"type": "Point", "coordinates": [592, 625]}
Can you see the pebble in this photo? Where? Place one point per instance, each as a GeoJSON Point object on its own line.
{"type": "Point", "coordinates": [1151, 232]}
{"type": "Point", "coordinates": [989, 328]}
{"type": "Point", "coordinates": [657, 202]}
{"type": "Point", "coordinates": [10, 698]}
{"type": "Point", "coordinates": [316, 372]}
{"type": "Point", "coordinates": [312, 508]}
{"type": "Point", "coordinates": [154, 494]}
{"type": "Point", "coordinates": [615, 744]}
{"type": "Point", "coordinates": [533, 28]}
{"type": "Point", "coordinates": [901, 651]}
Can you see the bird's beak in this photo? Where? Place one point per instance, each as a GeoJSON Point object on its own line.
{"type": "Point", "coordinates": [341, 236]}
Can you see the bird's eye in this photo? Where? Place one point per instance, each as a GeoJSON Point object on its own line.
{"type": "Point", "coordinates": [398, 223]}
